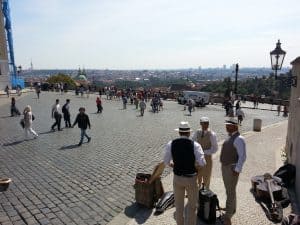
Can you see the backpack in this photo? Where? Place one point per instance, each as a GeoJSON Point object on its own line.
{"type": "Point", "coordinates": [64, 109]}
{"type": "Point", "coordinates": [208, 205]}
{"type": "Point", "coordinates": [287, 173]}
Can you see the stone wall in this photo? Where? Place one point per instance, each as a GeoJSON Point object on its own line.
{"type": "Point", "coordinates": [293, 135]}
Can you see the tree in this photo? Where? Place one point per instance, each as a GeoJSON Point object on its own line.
{"type": "Point", "coordinates": [61, 78]}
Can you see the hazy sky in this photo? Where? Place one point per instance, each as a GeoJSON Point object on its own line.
{"type": "Point", "coordinates": [151, 34]}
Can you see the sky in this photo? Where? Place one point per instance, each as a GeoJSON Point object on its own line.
{"type": "Point", "coordinates": [153, 34]}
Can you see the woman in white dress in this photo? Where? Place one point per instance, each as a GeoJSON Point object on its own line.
{"type": "Point", "coordinates": [28, 122]}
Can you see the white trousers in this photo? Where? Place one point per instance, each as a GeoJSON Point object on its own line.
{"type": "Point", "coordinates": [29, 130]}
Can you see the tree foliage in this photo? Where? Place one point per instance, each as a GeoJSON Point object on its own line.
{"type": "Point", "coordinates": [61, 78]}
{"type": "Point", "coordinates": [267, 86]}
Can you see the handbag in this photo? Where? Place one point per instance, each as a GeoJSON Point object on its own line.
{"type": "Point", "coordinates": [33, 117]}
{"type": "Point", "coordinates": [22, 123]}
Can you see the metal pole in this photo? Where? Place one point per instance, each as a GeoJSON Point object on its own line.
{"type": "Point", "coordinates": [236, 75]}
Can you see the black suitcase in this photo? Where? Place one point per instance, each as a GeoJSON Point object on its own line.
{"type": "Point", "coordinates": [208, 206]}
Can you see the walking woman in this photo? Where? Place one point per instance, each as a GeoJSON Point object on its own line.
{"type": "Point", "coordinates": [99, 105]}
{"type": "Point", "coordinates": [28, 122]}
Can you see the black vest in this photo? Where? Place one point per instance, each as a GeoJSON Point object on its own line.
{"type": "Point", "coordinates": [183, 156]}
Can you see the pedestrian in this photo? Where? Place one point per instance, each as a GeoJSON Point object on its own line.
{"type": "Point", "coordinates": [233, 157]}
{"type": "Point", "coordinates": [278, 110]}
{"type": "Point", "coordinates": [230, 111]}
{"type": "Point", "coordinates": [240, 115]}
{"type": "Point", "coordinates": [28, 117]}
{"type": "Point", "coordinates": [56, 115]}
{"type": "Point", "coordinates": [237, 105]}
{"type": "Point", "coordinates": [83, 122]}
{"type": "Point", "coordinates": [13, 108]}
{"type": "Point", "coordinates": [7, 90]}
{"type": "Point", "coordinates": [99, 105]}
{"type": "Point", "coordinates": [285, 111]}
{"type": "Point", "coordinates": [19, 92]}
{"type": "Point", "coordinates": [38, 90]}
{"type": "Point", "coordinates": [142, 106]}
{"type": "Point", "coordinates": [66, 112]}
{"type": "Point", "coordinates": [187, 156]}
{"type": "Point", "coordinates": [190, 106]}
{"type": "Point", "coordinates": [208, 141]}
{"type": "Point", "coordinates": [124, 100]}
{"type": "Point", "coordinates": [136, 102]}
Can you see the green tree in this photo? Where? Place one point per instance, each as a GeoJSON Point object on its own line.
{"type": "Point", "coordinates": [61, 78]}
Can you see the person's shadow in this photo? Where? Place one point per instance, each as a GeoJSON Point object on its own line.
{"type": "Point", "coordinates": [67, 147]}
{"type": "Point", "coordinates": [13, 143]}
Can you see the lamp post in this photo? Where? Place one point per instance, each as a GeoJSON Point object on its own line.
{"type": "Point", "coordinates": [236, 76]}
{"type": "Point", "coordinates": [19, 70]}
{"type": "Point", "coordinates": [277, 57]}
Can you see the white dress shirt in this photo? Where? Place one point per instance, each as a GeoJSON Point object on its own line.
{"type": "Point", "coordinates": [213, 140]}
{"type": "Point", "coordinates": [198, 152]}
{"type": "Point", "coordinates": [55, 108]}
{"type": "Point", "coordinates": [240, 145]}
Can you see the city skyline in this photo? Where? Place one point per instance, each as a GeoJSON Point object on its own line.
{"type": "Point", "coordinates": [161, 34]}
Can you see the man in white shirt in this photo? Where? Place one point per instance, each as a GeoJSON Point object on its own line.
{"type": "Point", "coordinates": [233, 157]}
{"type": "Point", "coordinates": [240, 115]}
{"type": "Point", "coordinates": [56, 115]}
{"type": "Point", "coordinates": [208, 141]}
{"type": "Point", "coordinates": [187, 156]}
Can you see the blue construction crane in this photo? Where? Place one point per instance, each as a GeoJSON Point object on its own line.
{"type": "Point", "coordinates": [15, 80]}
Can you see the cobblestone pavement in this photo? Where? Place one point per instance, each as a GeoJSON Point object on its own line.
{"type": "Point", "coordinates": [56, 182]}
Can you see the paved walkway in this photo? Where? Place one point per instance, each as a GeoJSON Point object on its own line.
{"type": "Point", "coordinates": [263, 155]}
{"type": "Point", "coordinates": [56, 182]}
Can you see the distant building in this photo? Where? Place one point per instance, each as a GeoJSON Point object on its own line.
{"type": "Point", "coordinates": [81, 78]}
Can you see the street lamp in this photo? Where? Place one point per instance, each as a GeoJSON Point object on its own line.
{"type": "Point", "coordinates": [19, 70]}
{"type": "Point", "coordinates": [277, 57]}
{"type": "Point", "coordinates": [236, 76]}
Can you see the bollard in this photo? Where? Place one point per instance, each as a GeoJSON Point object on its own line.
{"type": "Point", "coordinates": [257, 124]}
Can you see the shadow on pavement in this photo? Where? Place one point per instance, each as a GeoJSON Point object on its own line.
{"type": "Point", "coordinates": [46, 132]}
{"type": "Point", "coordinates": [13, 143]}
{"type": "Point", "coordinates": [4, 117]}
{"type": "Point", "coordinates": [138, 212]}
{"type": "Point", "coordinates": [69, 147]}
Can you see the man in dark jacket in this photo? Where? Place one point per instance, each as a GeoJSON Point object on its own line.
{"type": "Point", "coordinates": [83, 122]}
{"type": "Point", "coordinates": [67, 116]}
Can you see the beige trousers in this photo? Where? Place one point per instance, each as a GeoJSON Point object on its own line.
{"type": "Point", "coordinates": [230, 183]}
{"type": "Point", "coordinates": [204, 173]}
{"type": "Point", "coordinates": [180, 185]}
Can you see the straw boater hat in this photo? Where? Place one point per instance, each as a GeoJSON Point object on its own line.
{"type": "Point", "coordinates": [231, 121]}
{"type": "Point", "coordinates": [184, 127]}
{"type": "Point", "coordinates": [204, 119]}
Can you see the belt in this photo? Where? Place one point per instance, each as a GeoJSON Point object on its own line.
{"type": "Point", "coordinates": [187, 175]}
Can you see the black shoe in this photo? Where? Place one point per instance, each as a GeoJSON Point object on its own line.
{"type": "Point", "coordinates": [89, 139]}
{"type": "Point", "coordinates": [60, 129]}
{"type": "Point", "coordinates": [52, 129]}
{"type": "Point", "coordinates": [80, 143]}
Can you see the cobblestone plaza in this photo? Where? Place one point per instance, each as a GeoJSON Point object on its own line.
{"type": "Point", "coordinates": [56, 182]}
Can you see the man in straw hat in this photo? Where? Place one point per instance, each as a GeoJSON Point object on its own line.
{"type": "Point", "coordinates": [187, 156]}
{"type": "Point", "coordinates": [208, 141]}
{"type": "Point", "coordinates": [233, 156]}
